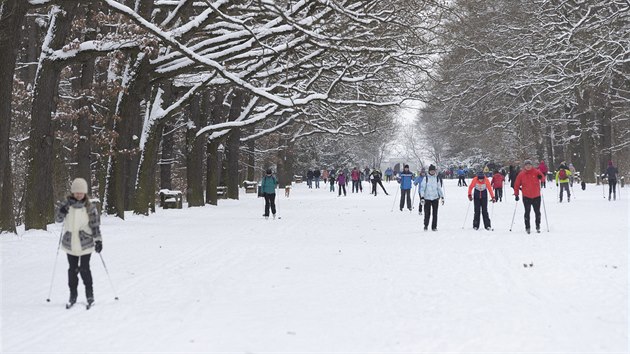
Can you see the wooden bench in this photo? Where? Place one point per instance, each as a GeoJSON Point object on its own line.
{"type": "Point", "coordinates": [170, 199]}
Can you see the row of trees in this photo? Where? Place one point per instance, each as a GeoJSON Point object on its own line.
{"type": "Point", "coordinates": [534, 78]}
{"type": "Point", "coordinates": [208, 91]}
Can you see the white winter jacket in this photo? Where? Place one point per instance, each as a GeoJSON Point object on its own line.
{"type": "Point", "coordinates": [80, 229]}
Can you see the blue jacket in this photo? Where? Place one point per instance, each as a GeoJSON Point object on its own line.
{"type": "Point", "coordinates": [461, 172]}
{"type": "Point", "coordinates": [431, 189]}
{"type": "Point", "coordinates": [419, 181]}
{"type": "Point", "coordinates": [269, 184]}
{"type": "Point", "coordinates": [405, 180]}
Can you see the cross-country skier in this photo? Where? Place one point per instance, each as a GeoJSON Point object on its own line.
{"type": "Point", "coordinates": [341, 181]}
{"type": "Point", "coordinates": [480, 186]}
{"type": "Point", "coordinates": [611, 173]}
{"type": "Point", "coordinates": [376, 177]}
{"type": "Point", "coordinates": [81, 236]}
{"type": "Point", "coordinates": [543, 169]}
{"type": "Point", "coordinates": [356, 179]}
{"type": "Point", "coordinates": [269, 184]}
{"type": "Point", "coordinates": [431, 194]}
{"type": "Point", "coordinates": [497, 184]}
{"type": "Point", "coordinates": [562, 177]}
{"type": "Point", "coordinates": [461, 175]}
{"type": "Point", "coordinates": [528, 181]}
{"type": "Point", "coordinates": [405, 178]}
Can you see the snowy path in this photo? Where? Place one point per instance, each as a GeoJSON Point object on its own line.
{"type": "Point", "coordinates": [333, 275]}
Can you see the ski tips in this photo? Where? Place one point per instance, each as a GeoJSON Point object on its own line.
{"type": "Point", "coordinates": [116, 298]}
{"type": "Point", "coordinates": [47, 300]}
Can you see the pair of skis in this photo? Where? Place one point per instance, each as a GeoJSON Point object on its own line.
{"type": "Point", "coordinates": [89, 305]}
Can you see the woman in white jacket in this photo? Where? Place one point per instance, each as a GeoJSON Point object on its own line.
{"type": "Point", "coordinates": [81, 236]}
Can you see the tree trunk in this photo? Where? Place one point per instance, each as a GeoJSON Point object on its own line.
{"type": "Point", "coordinates": [194, 155]}
{"type": "Point", "coordinates": [251, 160]}
{"type": "Point", "coordinates": [234, 145]}
{"type": "Point", "coordinates": [583, 99]}
{"type": "Point", "coordinates": [11, 18]}
{"type": "Point", "coordinates": [213, 169]}
{"type": "Point", "coordinates": [166, 161]}
{"type": "Point", "coordinates": [145, 191]}
{"type": "Point", "coordinates": [39, 189]}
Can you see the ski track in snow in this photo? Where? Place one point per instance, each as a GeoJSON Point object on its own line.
{"type": "Point", "coordinates": [335, 274]}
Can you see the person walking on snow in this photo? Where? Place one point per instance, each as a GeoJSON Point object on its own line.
{"type": "Point", "coordinates": [461, 175]}
{"type": "Point", "coordinates": [324, 175]}
{"type": "Point", "coordinates": [543, 169]}
{"type": "Point", "coordinates": [431, 194]}
{"type": "Point", "coordinates": [331, 180]}
{"type": "Point", "coordinates": [81, 237]}
{"type": "Point", "coordinates": [528, 181]}
{"type": "Point", "coordinates": [268, 186]}
{"type": "Point", "coordinates": [480, 186]}
{"type": "Point", "coordinates": [562, 177]}
{"type": "Point", "coordinates": [377, 176]}
{"type": "Point", "coordinates": [405, 178]}
{"type": "Point", "coordinates": [611, 173]}
{"type": "Point", "coordinates": [356, 176]}
{"type": "Point", "coordinates": [418, 182]}
{"type": "Point", "coordinates": [497, 184]}
{"type": "Point", "coordinates": [388, 174]}
{"type": "Point", "coordinates": [316, 175]}
{"type": "Point", "coordinates": [341, 181]}
{"type": "Point", "coordinates": [309, 178]}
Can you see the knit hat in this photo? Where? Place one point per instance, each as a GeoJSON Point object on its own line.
{"type": "Point", "coordinates": [406, 166]}
{"type": "Point", "coordinates": [431, 168]}
{"type": "Point", "coordinates": [79, 185]}
{"type": "Point", "coordinates": [268, 171]}
{"type": "Point", "coordinates": [527, 162]}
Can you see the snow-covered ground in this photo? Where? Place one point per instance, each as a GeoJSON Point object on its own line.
{"type": "Point", "coordinates": [335, 274]}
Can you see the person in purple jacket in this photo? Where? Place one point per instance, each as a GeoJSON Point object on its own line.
{"type": "Point", "coordinates": [341, 180]}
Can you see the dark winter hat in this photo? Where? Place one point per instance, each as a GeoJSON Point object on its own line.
{"type": "Point", "coordinates": [431, 168]}
{"type": "Point", "coordinates": [406, 166]}
{"type": "Point", "coordinates": [268, 171]}
{"type": "Point", "coordinates": [527, 162]}
{"type": "Point", "coordinates": [480, 175]}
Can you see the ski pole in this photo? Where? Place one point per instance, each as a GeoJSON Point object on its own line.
{"type": "Point", "coordinates": [603, 190]}
{"type": "Point", "coordinates": [545, 209]}
{"type": "Point", "coordinates": [492, 214]}
{"type": "Point", "coordinates": [108, 277]}
{"type": "Point", "coordinates": [513, 215]}
{"type": "Point", "coordinates": [395, 197]}
{"type": "Point", "coordinates": [466, 217]}
{"type": "Point", "coordinates": [55, 265]}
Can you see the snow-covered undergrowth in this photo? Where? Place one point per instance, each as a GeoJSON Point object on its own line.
{"type": "Point", "coordinates": [335, 274]}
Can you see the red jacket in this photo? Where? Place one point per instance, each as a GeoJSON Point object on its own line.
{"type": "Point", "coordinates": [497, 180]}
{"type": "Point", "coordinates": [529, 183]}
{"type": "Point", "coordinates": [480, 187]}
{"type": "Point", "coordinates": [543, 168]}
{"type": "Point", "coordinates": [355, 175]}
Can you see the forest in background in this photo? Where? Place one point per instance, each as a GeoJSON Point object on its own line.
{"type": "Point", "coordinates": [141, 95]}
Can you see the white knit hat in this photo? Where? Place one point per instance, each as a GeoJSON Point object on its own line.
{"type": "Point", "coordinates": [79, 185]}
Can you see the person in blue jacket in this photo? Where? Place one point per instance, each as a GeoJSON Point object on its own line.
{"type": "Point", "coordinates": [431, 194]}
{"type": "Point", "coordinates": [269, 184]}
{"type": "Point", "coordinates": [461, 174]}
{"type": "Point", "coordinates": [405, 178]}
{"type": "Point", "coordinates": [418, 182]}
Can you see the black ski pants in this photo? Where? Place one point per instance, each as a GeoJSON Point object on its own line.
{"type": "Point", "coordinates": [528, 203]}
{"type": "Point", "coordinates": [498, 193]}
{"type": "Point", "coordinates": [405, 193]}
{"type": "Point", "coordinates": [612, 187]}
{"type": "Point", "coordinates": [79, 265]}
{"type": "Point", "coordinates": [342, 186]}
{"type": "Point", "coordinates": [270, 201]}
{"type": "Point", "coordinates": [564, 186]}
{"type": "Point", "coordinates": [461, 181]}
{"type": "Point", "coordinates": [355, 186]}
{"type": "Point", "coordinates": [428, 205]}
{"type": "Point", "coordinates": [481, 208]}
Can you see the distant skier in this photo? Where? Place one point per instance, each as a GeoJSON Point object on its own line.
{"type": "Point", "coordinates": [309, 178]}
{"type": "Point", "coordinates": [268, 186]}
{"type": "Point", "coordinates": [562, 178]}
{"type": "Point", "coordinates": [419, 181]}
{"type": "Point", "coordinates": [316, 175]}
{"type": "Point", "coordinates": [81, 236]}
{"type": "Point", "coordinates": [461, 175]}
{"type": "Point", "coordinates": [341, 181]}
{"type": "Point", "coordinates": [405, 178]}
{"type": "Point", "coordinates": [388, 174]}
{"type": "Point", "coordinates": [366, 174]}
{"type": "Point", "coordinates": [331, 181]}
{"type": "Point", "coordinates": [431, 194]}
{"type": "Point", "coordinates": [356, 179]}
{"type": "Point", "coordinates": [543, 169]}
{"type": "Point", "coordinates": [497, 184]}
{"type": "Point", "coordinates": [572, 175]}
{"type": "Point", "coordinates": [376, 177]}
{"type": "Point", "coordinates": [611, 173]}
{"type": "Point", "coordinates": [528, 181]}
{"type": "Point", "coordinates": [325, 175]}
{"type": "Point", "coordinates": [480, 186]}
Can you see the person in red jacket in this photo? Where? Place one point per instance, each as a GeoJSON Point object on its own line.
{"type": "Point", "coordinates": [543, 169]}
{"type": "Point", "coordinates": [497, 184]}
{"type": "Point", "coordinates": [528, 181]}
{"type": "Point", "coordinates": [356, 176]}
{"type": "Point", "coordinates": [481, 187]}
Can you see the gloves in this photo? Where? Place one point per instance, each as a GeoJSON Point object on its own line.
{"type": "Point", "coordinates": [442, 201]}
{"type": "Point", "coordinates": [98, 246]}
{"type": "Point", "coordinates": [539, 176]}
{"type": "Point", "coordinates": [422, 200]}
{"type": "Point", "coordinates": [516, 198]}
{"type": "Point", "coordinates": [494, 200]}
{"type": "Point", "coordinates": [556, 184]}
{"type": "Point", "coordinates": [64, 209]}
{"type": "Point", "coordinates": [470, 197]}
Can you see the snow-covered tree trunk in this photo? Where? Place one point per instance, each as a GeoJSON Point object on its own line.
{"type": "Point", "coordinates": [234, 145]}
{"type": "Point", "coordinates": [39, 187]}
{"type": "Point", "coordinates": [213, 160]}
{"type": "Point", "coordinates": [195, 154]}
{"type": "Point", "coordinates": [12, 14]}
{"type": "Point", "coordinates": [167, 157]}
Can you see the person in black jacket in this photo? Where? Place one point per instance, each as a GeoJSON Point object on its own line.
{"type": "Point", "coordinates": [377, 177]}
{"type": "Point", "coordinates": [611, 173]}
{"type": "Point", "coordinates": [316, 174]}
{"type": "Point", "coordinates": [309, 178]}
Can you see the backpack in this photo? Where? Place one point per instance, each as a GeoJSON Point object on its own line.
{"type": "Point", "coordinates": [562, 174]}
